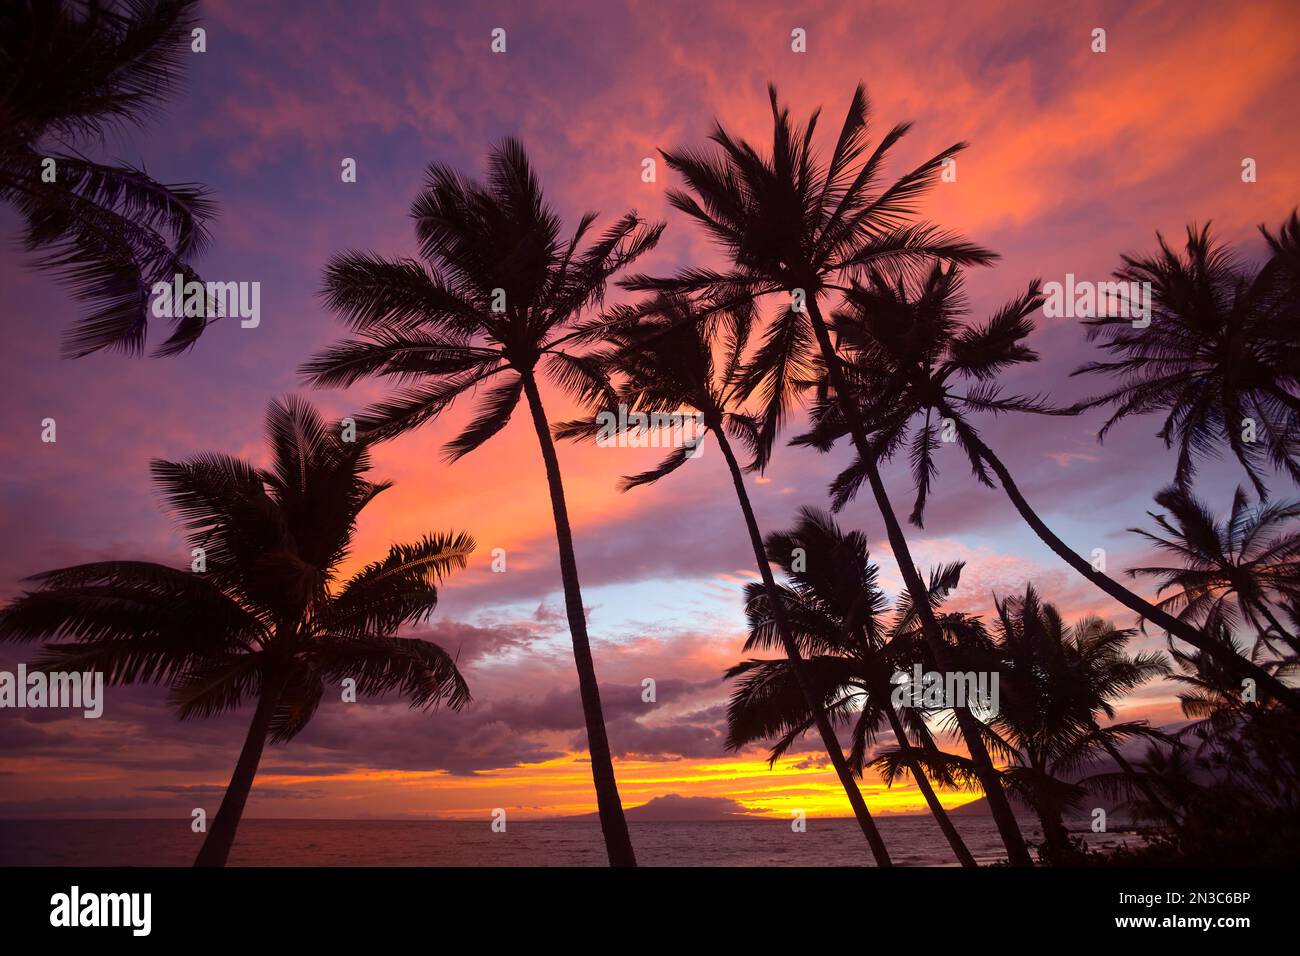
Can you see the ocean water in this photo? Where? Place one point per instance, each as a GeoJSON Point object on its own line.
{"type": "Point", "coordinates": [912, 841]}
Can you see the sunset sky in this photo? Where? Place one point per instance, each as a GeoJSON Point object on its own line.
{"type": "Point", "coordinates": [1076, 158]}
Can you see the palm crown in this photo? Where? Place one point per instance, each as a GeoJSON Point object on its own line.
{"type": "Point", "coordinates": [911, 363]}
{"type": "Point", "coordinates": [671, 354]}
{"type": "Point", "coordinates": [1233, 572]}
{"type": "Point", "coordinates": [267, 616]}
{"type": "Point", "coordinates": [789, 221]}
{"type": "Point", "coordinates": [837, 615]}
{"type": "Point", "coordinates": [497, 297]}
{"type": "Point", "coordinates": [1220, 358]}
{"type": "Point", "coordinates": [1056, 678]}
{"type": "Point", "coordinates": [72, 71]}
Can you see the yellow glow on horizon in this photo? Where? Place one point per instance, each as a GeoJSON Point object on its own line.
{"type": "Point", "coordinates": [562, 787]}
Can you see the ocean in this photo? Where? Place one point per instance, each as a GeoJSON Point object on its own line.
{"type": "Point", "coordinates": [912, 841]}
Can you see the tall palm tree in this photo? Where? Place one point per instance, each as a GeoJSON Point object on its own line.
{"type": "Point", "coordinates": [918, 370]}
{"type": "Point", "coordinates": [1055, 680]}
{"type": "Point", "coordinates": [496, 303]}
{"type": "Point", "coordinates": [663, 353]}
{"type": "Point", "coordinates": [267, 619]}
{"type": "Point", "coordinates": [1220, 356]}
{"type": "Point", "coordinates": [791, 224]}
{"type": "Point", "coordinates": [1230, 572]}
{"type": "Point", "coordinates": [73, 71]}
{"type": "Point", "coordinates": [835, 609]}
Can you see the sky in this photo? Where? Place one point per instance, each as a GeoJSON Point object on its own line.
{"type": "Point", "coordinates": [1076, 157]}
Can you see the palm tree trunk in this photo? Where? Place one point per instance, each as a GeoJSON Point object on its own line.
{"type": "Point", "coordinates": [999, 805]}
{"type": "Point", "coordinates": [1056, 839]}
{"type": "Point", "coordinates": [941, 817]}
{"type": "Point", "coordinates": [829, 740]}
{"type": "Point", "coordinates": [1180, 629]}
{"type": "Point", "coordinates": [618, 844]}
{"type": "Point", "coordinates": [217, 844]}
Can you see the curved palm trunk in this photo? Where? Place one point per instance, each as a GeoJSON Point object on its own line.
{"type": "Point", "coordinates": [932, 800]}
{"type": "Point", "coordinates": [829, 740]}
{"type": "Point", "coordinates": [221, 837]}
{"type": "Point", "coordinates": [999, 805]}
{"type": "Point", "coordinates": [618, 844]}
{"type": "Point", "coordinates": [1180, 629]}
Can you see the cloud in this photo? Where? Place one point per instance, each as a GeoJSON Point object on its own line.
{"type": "Point", "coordinates": [1075, 159]}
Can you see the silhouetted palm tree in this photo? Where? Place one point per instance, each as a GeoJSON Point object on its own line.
{"type": "Point", "coordinates": [1220, 358]}
{"type": "Point", "coordinates": [1054, 681]}
{"type": "Point", "coordinates": [1169, 773]}
{"type": "Point", "coordinates": [834, 611]}
{"type": "Point", "coordinates": [1251, 742]}
{"type": "Point", "coordinates": [497, 303]}
{"type": "Point", "coordinates": [266, 619]}
{"type": "Point", "coordinates": [662, 353]}
{"type": "Point", "coordinates": [918, 372]}
{"type": "Point", "coordinates": [1229, 572]}
{"type": "Point", "coordinates": [1105, 672]}
{"type": "Point", "coordinates": [791, 223]}
{"type": "Point", "coordinates": [74, 71]}
{"type": "Point", "coordinates": [912, 362]}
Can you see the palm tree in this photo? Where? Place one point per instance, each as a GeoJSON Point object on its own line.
{"type": "Point", "coordinates": [1168, 773]}
{"type": "Point", "coordinates": [1229, 572]}
{"type": "Point", "coordinates": [1104, 672]}
{"type": "Point", "coordinates": [835, 610]}
{"type": "Point", "coordinates": [267, 618]}
{"type": "Point", "coordinates": [792, 224]}
{"type": "Point", "coordinates": [917, 371]}
{"type": "Point", "coordinates": [1055, 680]}
{"type": "Point", "coordinates": [495, 303]}
{"type": "Point", "coordinates": [1220, 357]}
{"type": "Point", "coordinates": [1237, 792]}
{"type": "Point", "coordinates": [74, 71]}
{"type": "Point", "coordinates": [1251, 741]}
{"type": "Point", "coordinates": [663, 353]}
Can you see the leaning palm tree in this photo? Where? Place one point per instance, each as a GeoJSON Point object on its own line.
{"type": "Point", "coordinates": [835, 609]}
{"type": "Point", "coordinates": [1241, 571]}
{"type": "Point", "coordinates": [792, 224]}
{"type": "Point", "coordinates": [918, 374]}
{"type": "Point", "coordinates": [495, 304]}
{"type": "Point", "coordinates": [1219, 358]}
{"type": "Point", "coordinates": [73, 71]}
{"type": "Point", "coordinates": [262, 615]}
{"type": "Point", "coordinates": [663, 354]}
